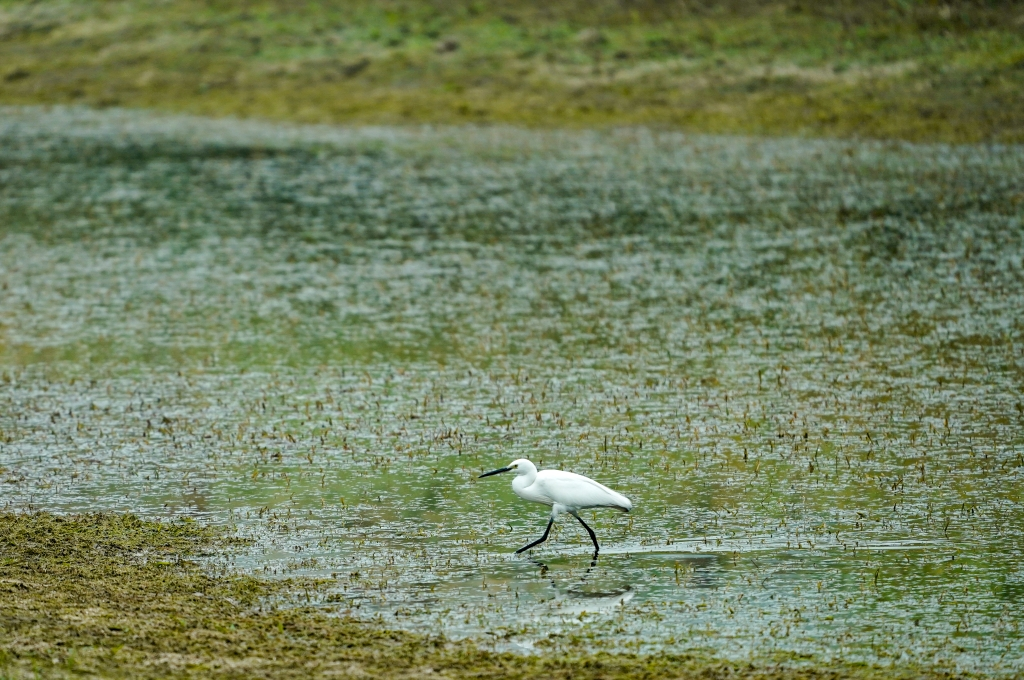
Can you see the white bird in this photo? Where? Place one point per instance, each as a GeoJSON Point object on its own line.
{"type": "Point", "coordinates": [563, 491]}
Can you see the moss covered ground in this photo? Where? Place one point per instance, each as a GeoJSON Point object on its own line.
{"type": "Point", "coordinates": [108, 595]}
{"type": "Point", "coordinates": [911, 69]}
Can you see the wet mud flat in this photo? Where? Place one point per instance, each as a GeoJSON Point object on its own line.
{"type": "Point", "coordinates": [802, 360]}
{"type": "Point", "coordinates": [107, 595]}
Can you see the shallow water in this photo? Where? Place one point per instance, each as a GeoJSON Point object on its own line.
{"type": "Point", "coordinates": [802, 360]}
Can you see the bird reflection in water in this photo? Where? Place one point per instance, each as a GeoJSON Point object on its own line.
{"type": "Point", "coordinates": [582, 590]}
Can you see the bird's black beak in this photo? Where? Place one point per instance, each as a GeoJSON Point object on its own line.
{"type": "Point", "coordinates": [494, 472]}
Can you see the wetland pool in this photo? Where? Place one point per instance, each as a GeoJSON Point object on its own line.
{"type": "Point", "coordinates": [802, 360]}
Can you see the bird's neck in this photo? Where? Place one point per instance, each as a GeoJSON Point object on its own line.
{"type": "Point", "coordinates": [521, 481]}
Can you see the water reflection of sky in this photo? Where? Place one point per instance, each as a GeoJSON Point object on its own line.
{"type": "Point", "coordinates": [801, 360]}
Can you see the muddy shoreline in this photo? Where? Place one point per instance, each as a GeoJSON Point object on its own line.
{"type": "Point", "coordinates": [107, 595]}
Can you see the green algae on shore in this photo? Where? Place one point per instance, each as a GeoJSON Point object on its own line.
{"type": "Point", "coordinates": [914, 69]}
{"type": "Point", "coordinates": [108, 595]}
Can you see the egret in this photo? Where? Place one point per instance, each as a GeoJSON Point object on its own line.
{"type": "Point", "coordinates": [563, 491]}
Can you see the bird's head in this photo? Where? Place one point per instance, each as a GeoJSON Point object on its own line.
{"type": "Point", "coordinates": [520, 466]}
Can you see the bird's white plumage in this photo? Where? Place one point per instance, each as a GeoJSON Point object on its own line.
{"type": "Point", "coordinates": [568, 489]}
{"type": "Point", "coordinates": [564, 492]}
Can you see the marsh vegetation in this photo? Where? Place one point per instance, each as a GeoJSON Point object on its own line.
{"type": "Point", "coordinates": [919, 70]}
{"type": "Point", "coordinates": [801, 359]}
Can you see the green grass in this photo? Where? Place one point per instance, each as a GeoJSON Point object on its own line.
{"type": "Point", "coordinates": [924, 71]}
{"type": "Point", "coordinates": [112, 596]}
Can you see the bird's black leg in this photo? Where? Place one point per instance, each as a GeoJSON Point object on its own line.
{"type": "Point", "coordinates": [539, 540]}
{"type": "Point", "coordinates": [593, 536]}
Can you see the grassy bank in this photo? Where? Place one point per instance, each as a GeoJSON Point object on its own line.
{"type": "Point", "coordinates": [113, 596]}
{"type": "Point", "coordinates": [911, 70]}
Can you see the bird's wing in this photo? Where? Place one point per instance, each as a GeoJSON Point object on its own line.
{"type": "Point", "coordinates": [577, 491]}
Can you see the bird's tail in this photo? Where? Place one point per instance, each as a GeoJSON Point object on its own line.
{"type": "Point", "coordinates": [621, 503]}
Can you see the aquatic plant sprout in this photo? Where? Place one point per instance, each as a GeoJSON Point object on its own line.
{"type": "Point", "coordinates": [802, 360]}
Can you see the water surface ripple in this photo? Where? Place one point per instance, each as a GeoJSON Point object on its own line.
{"type": "Point", "coordinates": [803, 361]}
